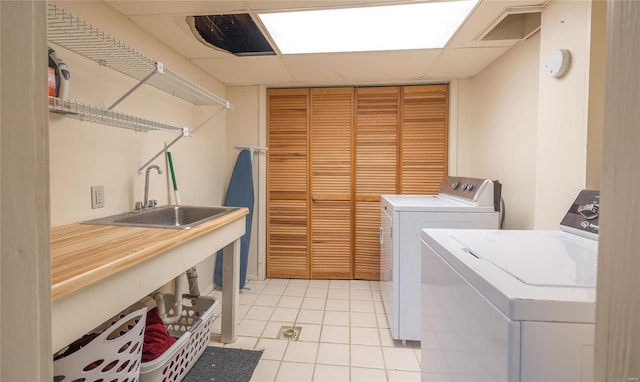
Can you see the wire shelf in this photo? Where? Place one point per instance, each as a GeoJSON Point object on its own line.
{"type": "Point", "coordinates": [74, 34]}
{"type": "Point", "coordinates": [84, 112]}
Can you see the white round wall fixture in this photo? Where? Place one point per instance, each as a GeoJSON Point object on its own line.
{"type": "Point", "coordinates": [557, 63]}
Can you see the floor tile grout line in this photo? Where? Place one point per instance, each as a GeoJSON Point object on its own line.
{"type": "Point", "coordinates": [378, 324]}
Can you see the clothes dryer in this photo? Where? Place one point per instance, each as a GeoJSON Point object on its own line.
{"type": "Point", "coordinates": [460, 203]}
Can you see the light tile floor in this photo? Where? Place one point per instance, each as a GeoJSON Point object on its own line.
{"type": "Point", "coordinates": [345, 335]}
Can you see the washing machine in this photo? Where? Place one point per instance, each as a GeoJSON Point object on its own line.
{"type": "Point", "coordinates": [511, 305]}
{"type": "Point", "coordinates": [460, 203]}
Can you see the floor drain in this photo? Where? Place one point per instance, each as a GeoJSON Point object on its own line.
{"type": "Point", "coordinates": [289, 333]}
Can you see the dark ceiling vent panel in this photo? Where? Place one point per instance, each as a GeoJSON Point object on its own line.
{"type": "Point", "coordinates": [235, 33]}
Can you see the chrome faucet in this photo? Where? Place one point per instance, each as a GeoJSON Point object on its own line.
{"type": "Point", "coordinates": [149, 203]}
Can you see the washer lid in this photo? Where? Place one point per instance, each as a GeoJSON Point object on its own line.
{"type": "Point", "coordinates": [528, 275]}
{"type": "Point", "coordinates": [430, 203]}
{"type": "Point", "coordinates": [555, 260]}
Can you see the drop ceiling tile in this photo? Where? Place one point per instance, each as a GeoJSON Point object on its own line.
{"type": "Point", "coordinates": [261, 5]}
{"type": "Point", "coordinates": [361, 68]}
{"type": "Point", "coordinates": [464, 62]}
{"type": "Point", "coordinates": [238, 71]}
{"type": "Point", "coordinates": [181, 7]}
{"type": "Point", "coordinates": [199, 7]}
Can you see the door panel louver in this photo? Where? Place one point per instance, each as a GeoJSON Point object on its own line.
{"type": "Point", "coordinates": [287, 186]}
{"type": "Point", "coordinates": [331, 163]}
{"type": "Point", "coordinates": [367, 241]}
{"type": "Point", "coordinates": [423, 139]}
{"type": "Point", "coordinates": [376, 146]}
{"type": "Point", "coordinates": [331, 240]}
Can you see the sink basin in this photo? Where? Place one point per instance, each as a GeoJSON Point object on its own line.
{"type": "Point", "coordinates": [177, 217]}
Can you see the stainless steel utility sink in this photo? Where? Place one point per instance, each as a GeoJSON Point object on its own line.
{"type": "Point", "coordinates": [177, 217]}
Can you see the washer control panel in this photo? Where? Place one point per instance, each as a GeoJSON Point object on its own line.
{"type": "Point", "coordinates": [582, 217]}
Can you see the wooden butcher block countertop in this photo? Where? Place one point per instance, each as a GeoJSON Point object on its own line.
{"type": "Point", "coordinates": [82, 254]}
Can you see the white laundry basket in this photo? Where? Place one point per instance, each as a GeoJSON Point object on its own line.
{"type": "Point", "coordinates": [113, 355]}
{"type": "Point", "coordinates": [192, 330]}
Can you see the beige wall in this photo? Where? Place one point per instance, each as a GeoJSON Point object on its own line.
{"type": "Point", "coordinates": [497, 123]}
{"type": "Point", "coordinates": [244, 126]}
{"type": "Point", "coordinates": [83, 154]}
{"type": "Point", "coordinates": [536, 129]}
{"type": "Point", "coordinates": [597, 75]}
{"type": "Point", "coordinates": [562, 112]}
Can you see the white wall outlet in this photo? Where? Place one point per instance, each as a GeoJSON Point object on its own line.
{"type": "Point", "coordinates": [97, 197]}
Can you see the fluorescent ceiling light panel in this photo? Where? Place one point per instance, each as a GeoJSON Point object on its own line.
{"type": "Point", "coordinates": [392, 27]}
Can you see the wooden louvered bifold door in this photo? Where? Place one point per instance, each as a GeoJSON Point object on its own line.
{"type": "Point", "coordinates": [330, 169]}
{"type": "Point", "coordinates": [423, 138]}
{"type": "Point", "coordinates": [332, 153]}
{"type": "Point", "coordinates": [287, 186]}
{"type": "Point", "coordinates": [377, 120]}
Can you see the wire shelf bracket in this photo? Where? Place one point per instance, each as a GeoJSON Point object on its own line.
{"type": "Point", "coordinates": [166, 146]}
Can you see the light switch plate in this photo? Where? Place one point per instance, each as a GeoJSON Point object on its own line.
{"type": "Point", "coordinates": [97, 197]}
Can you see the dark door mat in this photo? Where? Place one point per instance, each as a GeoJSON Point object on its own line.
{"type": "Point", "coordinates": [222, 364]}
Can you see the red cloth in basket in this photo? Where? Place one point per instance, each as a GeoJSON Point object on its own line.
{"type": "Point", "coordinates": [156, 337]}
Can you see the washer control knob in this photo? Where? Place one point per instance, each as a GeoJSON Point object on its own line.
{"type": "Point", "coordinates": [455, 185]}
{"type": "Point", "coordinates": [470, 187]}
{"type": "Point", "coordinates": [464, 187]}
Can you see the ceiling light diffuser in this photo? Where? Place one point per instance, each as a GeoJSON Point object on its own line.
{"type": "Point", "coordinates": [391, 27]}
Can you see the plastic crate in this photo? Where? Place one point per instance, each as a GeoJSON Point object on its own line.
{"type": "Point", "coordinates": [192, 330]}
{"type": "Point", "coordinates": [113, 354]}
